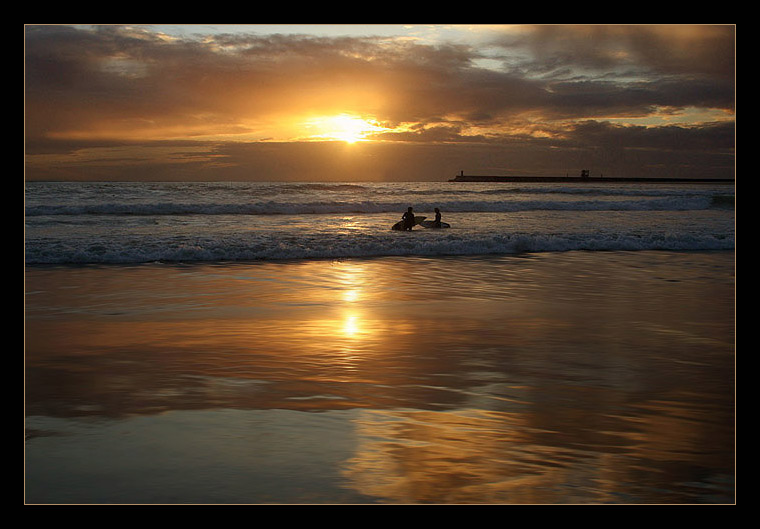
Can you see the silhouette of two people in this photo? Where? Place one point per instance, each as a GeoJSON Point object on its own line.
{"type": "Point", "coordinates": [408, 219]}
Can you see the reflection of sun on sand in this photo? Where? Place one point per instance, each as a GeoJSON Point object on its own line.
{"type": "Point", "coordinates": [351, 278]}
{"type": "Point", "coordinates": [351, 325]}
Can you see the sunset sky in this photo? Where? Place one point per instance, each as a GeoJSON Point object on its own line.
{"type": "Point", "coordinates": [377, 102]}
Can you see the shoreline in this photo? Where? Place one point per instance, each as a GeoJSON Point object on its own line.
{"type": "Point", "coordinates": [29, 267]}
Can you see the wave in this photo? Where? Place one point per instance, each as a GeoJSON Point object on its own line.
{"type": "Point", "coordinates": [670, 203]}
{"type": "Point", "coordinates": [320, 246]}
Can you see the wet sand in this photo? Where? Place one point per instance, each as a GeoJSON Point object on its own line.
{"type": "Point", "coordinates": [578, 377]}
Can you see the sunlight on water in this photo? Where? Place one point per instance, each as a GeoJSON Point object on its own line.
{"type": "Point", "coordinates": [562, 378]}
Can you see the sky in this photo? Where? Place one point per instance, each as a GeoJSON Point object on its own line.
{"type": "Point", "coordinates": [377, 102]}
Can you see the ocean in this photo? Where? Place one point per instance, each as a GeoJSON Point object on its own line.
{"type": "Point", "coordinates": [279, 343]}
{"type": "Point", "coordinates": [89, 223]}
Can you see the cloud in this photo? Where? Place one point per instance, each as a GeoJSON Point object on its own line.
{"type": "Point", "coordinates": [688, 50]}
{"type": "Point", "coordinates": [127, 86]}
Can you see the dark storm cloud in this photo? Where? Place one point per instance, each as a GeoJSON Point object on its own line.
{"type": "Point", "coordinates": [712, 137]}
{"type": "Point", "coordinates": [685, 50]}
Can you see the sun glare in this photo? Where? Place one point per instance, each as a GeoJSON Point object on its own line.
{"type": "Point", "coordinates": [343, 127]}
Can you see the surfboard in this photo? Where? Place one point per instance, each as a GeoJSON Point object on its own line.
{"type": "Point", "coordinates": [399, 226]}
{"type": "Point", "coordinates": [431, 224]}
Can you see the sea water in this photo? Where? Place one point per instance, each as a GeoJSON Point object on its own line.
{"type": "Point", "coordinates": [171, 222]}
{"type": "Point", "coordinates": [279, 343]}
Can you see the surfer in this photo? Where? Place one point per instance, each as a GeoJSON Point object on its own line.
{"type": "Point", "coordinates": [408, 219]}
{"type": "Point", "coordinates": [437, 222]}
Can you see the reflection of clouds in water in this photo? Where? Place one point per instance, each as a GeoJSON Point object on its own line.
{"type": "Point", "coordinates": [470, 455]}
{"type": "Point", "coordinates": [543, 379]}
{"type": "Point", "coordinates": [464, 456]}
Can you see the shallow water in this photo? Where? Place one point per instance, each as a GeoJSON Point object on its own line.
{"type": "Point", "coordinates": [576, 377]}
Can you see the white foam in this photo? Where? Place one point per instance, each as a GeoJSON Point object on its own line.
{"type": "Point", "coordinates": [332, 246]}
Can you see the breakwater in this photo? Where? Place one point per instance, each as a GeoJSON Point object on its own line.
{"type": "Point", "coordinates": [588, 179]}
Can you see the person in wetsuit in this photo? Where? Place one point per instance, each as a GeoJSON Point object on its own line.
{"type": "Point", "coordinates": [437, 221]}
{"type": "Point", "coordinates": [408, 219]}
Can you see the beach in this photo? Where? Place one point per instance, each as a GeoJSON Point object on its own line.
{"type": "Point", "coordinates": [379, 264]}
{"type": "Point", "coordinates": [521, 378]}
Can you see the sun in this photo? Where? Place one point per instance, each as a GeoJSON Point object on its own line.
{"type": "Point", "coordinates": [342, 127]}
{"type": "Point", "coordinates": [349, 129]}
